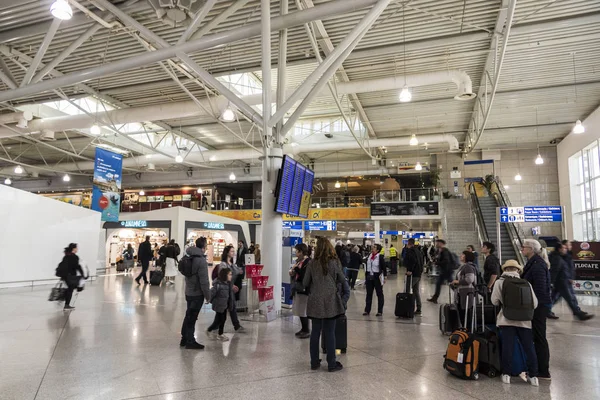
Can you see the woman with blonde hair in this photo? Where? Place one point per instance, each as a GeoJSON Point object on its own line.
{"type": "Point", "coordinates": [325, 304]}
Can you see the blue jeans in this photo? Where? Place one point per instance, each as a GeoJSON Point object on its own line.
{"type": "Point", "coordinates": [328, 326]}
{"type": "Point", "coordinates": [509, 333]}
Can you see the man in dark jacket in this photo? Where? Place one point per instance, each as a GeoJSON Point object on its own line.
{"type": "Point", "coordinates": [414, 269]}
{"type": "Point", "coordinates": [445, 266]}
{"type": "Point", "coordinates": [491, 266]}
{"type": "Point", "coordinates": [197, 289]}
{"type": "Point", "coordinates": [561, 278]}
{"type": "Point", "coordinates": [145, 254]}
{"type": "Point", "coordinates": [537, 273]}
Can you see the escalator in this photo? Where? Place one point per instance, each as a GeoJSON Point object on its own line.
{"type": "Point", "coordinates": [511, 236]}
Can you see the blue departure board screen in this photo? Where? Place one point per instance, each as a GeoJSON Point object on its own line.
{"type": "Point", "coordinates": [309, 177]}
{"type": "Point", "coordinates": [298, 190]}
{"type": "Point", "coordinates": [286, 185]}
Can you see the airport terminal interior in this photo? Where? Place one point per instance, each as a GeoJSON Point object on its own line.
{"type": "Point", "coordinates": [147, 146]}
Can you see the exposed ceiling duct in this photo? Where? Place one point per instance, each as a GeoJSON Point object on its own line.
{"type": "Point", "coordinates": [246, 153]}
{"type": "Point", "coordinates": [176, 12]}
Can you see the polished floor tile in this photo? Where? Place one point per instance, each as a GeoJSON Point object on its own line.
{"type": "Point", "coordinates": [122, 342]}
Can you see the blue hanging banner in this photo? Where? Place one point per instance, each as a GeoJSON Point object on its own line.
{"type": "Point", "coordinates": [106, 193]}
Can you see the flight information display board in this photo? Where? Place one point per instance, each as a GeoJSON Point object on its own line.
{"type": "Point", "coordinates": [298, 190]}
{"type": "Point", "coordinates": [309, 177]}
{"type": "Point", "coordinates": [285, 186]}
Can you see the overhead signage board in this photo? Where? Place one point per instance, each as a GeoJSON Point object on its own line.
{"type": "Point", "coordinates": [405, 208]}
{"type": "Point", "coordinates": [531, 214]}
{"type": "Point", "coordinates": [214, 225]}
{"type": "Point", "coordinates": [292, 224]}
{"type": "Point", "coordinates": [320, 225]}
{"type": "Point", "coordinates": [134, 224]}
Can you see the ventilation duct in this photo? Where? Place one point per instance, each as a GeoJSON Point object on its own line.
{"type": "Point", "coordinates": [176, 12]}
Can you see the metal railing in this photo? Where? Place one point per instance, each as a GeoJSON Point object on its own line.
{"type": "Point", "coordinates": [37, 282]}
{"type": "Point", "coordinates": [476, 210]}
{"type": "Point", "coordinates": [408, 194]}
{"type": "Point", "coordinates": [515, 232]}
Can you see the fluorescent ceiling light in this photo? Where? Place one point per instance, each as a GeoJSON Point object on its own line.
{"type": "Point", "coordinates": [405, 95]}
{"type": "Point", "coordinates": [413, 140]}
{"type": "Point", "coordinates": [578, 128]}
{"type": "Point", "coordinates": [18, 169]}
{"type": "Point", "coordinates": [61, 9]}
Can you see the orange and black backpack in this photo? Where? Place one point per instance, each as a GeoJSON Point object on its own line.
{"type": "Point", "coordinates": [462, 355]}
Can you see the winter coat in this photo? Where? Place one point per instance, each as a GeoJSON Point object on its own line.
{"type": "Point", "coordinates": [414, 262]}
{"type": "Point", "coordinates": [467, 279]}
{"type": "Point", "coordinates": [558, 268]}
{"type": "Point", "coordinates": [299, 274]}
{"type": "Point", "coordinates": [221, 296]}
{"type": "Point", "coordinates": [73, 267]}
{"type": "Point", "coordinates": [197, 284]}
{"type": "Point", "coordinates": [324, 300]}
{"type": "Point", "coordinates": [497, 301]}
{"type": "Point", "coordinates": [145, 252]}
{"type": "Point", "coordinates": [537, 273]}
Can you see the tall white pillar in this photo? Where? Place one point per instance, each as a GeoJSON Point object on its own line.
{"type": "Point", "coordinates": [377, 229]}
{"type": "Point", "coordinates": [272, 233]}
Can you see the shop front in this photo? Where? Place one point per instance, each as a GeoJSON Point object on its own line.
{"type": "Point", "coordinates": [122, 233]}
{"type": "Point", "coordinates": [218, 235]}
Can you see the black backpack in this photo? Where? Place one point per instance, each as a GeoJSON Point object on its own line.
{"type": "Point", "coordinates": [62, 270]}
{"type": "Point", "coordinates": [185, 265]}
{"type": "Point", "coordinates": [517, 300]}
{"type": "Point", "coordinates": [455, 260]}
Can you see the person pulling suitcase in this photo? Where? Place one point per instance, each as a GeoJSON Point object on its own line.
{"type": "Point", "coordinates": [414, 268]}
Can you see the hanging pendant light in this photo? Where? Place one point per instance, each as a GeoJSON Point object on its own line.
{"type": "Point", "coordinates": [66, 178]}
{"type": "Point", "coordinates": [179, 159]}
{"type": "Point", "coordinates": [142, 193]}
{"type": "Point", "coordinates": [7, 181]}
{"type": "Point", "coordinates": [61, 9]}
{"type": "Point", "coordinates": [418, 166]}
{"type": "Point", "coordinates": [539, 160]}
{"type": "Point", "coordinates": [338, 185]}
{"type": "Point", "coordinates": [228, 115]}
{"type": "Point", "coordinates": [413, 140]}
{"type": "Point", "coordinates": [18, 169]}
{"type": "Point", "coordinates": [95, 130]}
{"type": "Point", "coordinates": [578, 128]}
{"type": "Point", "coordinates": [405, 95]}
{"type": "Point", "coordinates": [232, 176]}
{"type": "Point", "coordinates": [518, 177]}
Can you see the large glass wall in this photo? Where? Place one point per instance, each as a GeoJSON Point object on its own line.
{"type": "Point", "coordinates": [584, 171]}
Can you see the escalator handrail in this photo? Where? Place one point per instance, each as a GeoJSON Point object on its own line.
{"type": "Point", "coordinates": [479, 222]}
{"type": "Point", "coordinates": [503, 201]}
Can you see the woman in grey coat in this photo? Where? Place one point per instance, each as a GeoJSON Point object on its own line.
{"type": "Point", "coordinates": [325, 304]}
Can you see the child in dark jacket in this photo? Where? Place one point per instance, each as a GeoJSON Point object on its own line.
{"type": "Point", "coordinates": [222, 300]}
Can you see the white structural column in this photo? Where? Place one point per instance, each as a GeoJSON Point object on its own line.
{"type": "Point", "coordinates": [377, 229]}
{"type": "Point", "coordinates": [271, 236]}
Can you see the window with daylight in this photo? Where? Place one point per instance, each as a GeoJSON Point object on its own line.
{"type": "Point", "coordinates": [584, 173]}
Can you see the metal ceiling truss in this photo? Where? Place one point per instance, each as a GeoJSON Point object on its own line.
{"type": "Point", "coordinates": [490, 76]}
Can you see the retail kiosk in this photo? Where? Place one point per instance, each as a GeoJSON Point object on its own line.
{"type": "Point", "coordinates": [179, 223]}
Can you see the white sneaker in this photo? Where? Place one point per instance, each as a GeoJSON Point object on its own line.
{"type": "Point", "coordinates": [223, 338]}
{"type": "Point", "coordinates": [533, 381]}
{"type": "Point", "coordinates": [506, 379]}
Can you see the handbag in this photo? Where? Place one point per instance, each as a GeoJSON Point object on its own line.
{"type": "Point", "coordinates": [58, 292]}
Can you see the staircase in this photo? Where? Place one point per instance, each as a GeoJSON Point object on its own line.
{"type": "Point", "coordinates": [488, 210]}
{"type": "Point", "coordinates": [459, 225]}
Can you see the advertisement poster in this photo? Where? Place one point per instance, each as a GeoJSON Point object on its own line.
{"type": "Point", "coordinates": [586, 257]}
{"type": "Point", "coordinates": [107, 184]}
{"type": "Point", "coordinates": [405, 208]}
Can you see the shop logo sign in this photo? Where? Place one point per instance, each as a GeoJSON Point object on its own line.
{"type": "Point", "coordinates": [214, 225]}
{"type": "Point", "coordinates": [134, 224]}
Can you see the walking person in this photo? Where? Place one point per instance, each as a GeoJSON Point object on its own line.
{"type": "Point", "coordinates": [222, 300]}
{"type": "Point", "coordinates": [145, 254]}
{"type": "Point", "coordinates": [69, 267]}
{"type": "Point", "coordinates": [513, 329]}
{"type": "Point", "coordinates": [325, 305]}
{"type": "Point", "coordinates": [375, 275]}
{"type": "Point", "coordinates": [128, 255]}
{"type": "Point", "coordinates": [561, 278]}
{"type": "Point", "coordinates": [197, 290]}
{"type": "Point", "coordinates": [414, 269]}
{"type": "Point", "coordinates": [537, 273]}
{"type": "Point", "coordinates": [237, 279]}
{"type": "Point", "coordinates": [299, 291]}
{"type": "Point", "coordinates": [355, 263]}
{"type": "Point", "coordinates": [445, 267]}
{"type": "Point", "coordinates": [171, 253]}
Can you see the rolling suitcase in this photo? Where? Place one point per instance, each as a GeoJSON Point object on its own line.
{"type": "Point", "coordinates": [405, 302]}
{"type": "Point", "coordinates": [341, 335]}
{"type": "Point", "coordinates": [489, 344]}
{"type": "Point", "coordinates": [156, 277]}
{"type": "Point", "coordinates": [121, 266]}
{"type": "Point", "coordinates": [449, 318]}
{"type": "Point", "coordinates": [462, 356]}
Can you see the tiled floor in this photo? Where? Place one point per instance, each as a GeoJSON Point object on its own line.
{"type": "Point", "coordinates": [122, 343]}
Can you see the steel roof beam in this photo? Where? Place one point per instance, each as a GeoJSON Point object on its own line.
{"type": "Point", "coordinates": [41, 52]}
{"type": "Point", "coordinates": [250, 30]}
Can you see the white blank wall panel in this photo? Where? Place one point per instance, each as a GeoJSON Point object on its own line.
{"type": "Point", "coordinates": [35, 230]}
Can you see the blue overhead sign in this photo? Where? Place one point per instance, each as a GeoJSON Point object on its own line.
{"type": "Point", "coordinates": [292, 224]}
{"type": "Point", "coordinates": [531, 214]}
{"type": "Point", "coordinates": [320, 225]}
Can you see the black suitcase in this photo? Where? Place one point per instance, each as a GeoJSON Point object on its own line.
{"type": "Point", "coordinates": [341, 335]}
{"type": "Point", "coordinates": [489, 341]}
{"type": "Point", "coordinates": [121, 266]}
{"type": "Point", "coordinates": [156, 277]}
{"type": "Point", "coordinates": [405, 302]}
{"type": "Point", "coordinates": [449, 317]}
